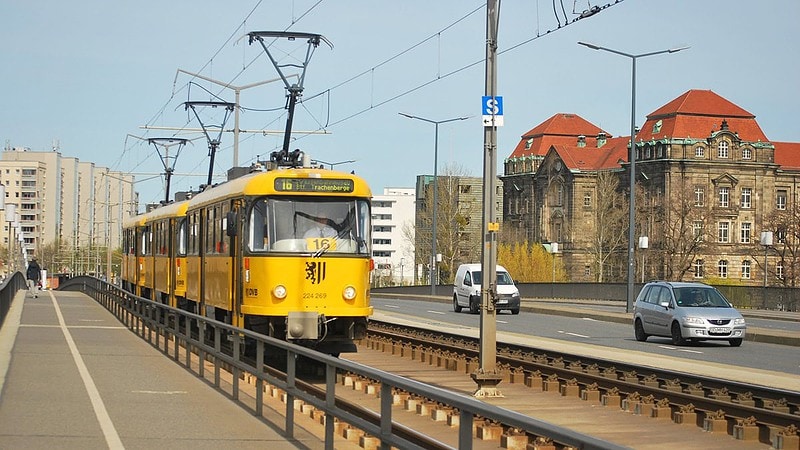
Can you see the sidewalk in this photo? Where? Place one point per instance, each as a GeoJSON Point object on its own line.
{"type": "Point", "coordinates": [72, 377]}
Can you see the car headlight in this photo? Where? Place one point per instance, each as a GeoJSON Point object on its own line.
{"type": "Point", "coordinates": [739, 321]}
{"type": "Point", "coordinates": [349, 293]}
{"type": "Point", "coordinates": [694, 320]}
{"type": "Point", "coordinates": [279, 291]}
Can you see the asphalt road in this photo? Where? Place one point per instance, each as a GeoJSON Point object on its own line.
{"type": "Point", "coordinates": [586, 330]}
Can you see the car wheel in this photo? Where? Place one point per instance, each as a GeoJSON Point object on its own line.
{"type": "Point", "coordinates": [473, 305]}
{"type": "Point", "coordinates": [677, 339]}
{"type": "Point", "coordinates": [515, 311]}
{"type": "Point", "coordinates": [735, 342]}
{"type": "Point", "coordinates": [638, 330]}
{"type": "Point", "coordinates": [456, 306]}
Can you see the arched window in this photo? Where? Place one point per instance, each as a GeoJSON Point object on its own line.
{"type": "Point", "coordinates": [746, 269]}
{"type": "Point", "coordinates": [722, 268]}
{"type": "Point", "coordinates": [722, 149]}
{"type": "Point", "coordinates": [699, 151]}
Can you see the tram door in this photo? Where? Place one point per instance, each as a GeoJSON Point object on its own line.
{"type": "Point", "coordinates": [220, 269]}
{"type": "Point", "coordinates": [234, 233]}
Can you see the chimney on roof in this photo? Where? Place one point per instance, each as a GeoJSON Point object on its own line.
{"type": "Point", "coordinates": [601, 139]}
{"type": "Point", "coordinates": [581, 141]}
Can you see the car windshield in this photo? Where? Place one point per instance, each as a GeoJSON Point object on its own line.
{"type": "Point", "coordinates": [700, 297]}
{"type": "Point", "coordinates": [502, 277]}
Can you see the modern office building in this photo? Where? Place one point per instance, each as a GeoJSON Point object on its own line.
{"type": "Point", "coordinates": [459, 216]}
{"type": "Point", "coordinates": [393, 237]}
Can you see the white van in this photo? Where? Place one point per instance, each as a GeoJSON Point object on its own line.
{"type": "Point", "coordinates": [467, 290]}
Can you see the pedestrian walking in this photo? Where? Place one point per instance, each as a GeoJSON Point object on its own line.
{"type": "Point", "coordinates": [34, 275]}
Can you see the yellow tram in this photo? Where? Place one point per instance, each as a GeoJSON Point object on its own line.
{"type": "Point", "coordinates": [283, 252]}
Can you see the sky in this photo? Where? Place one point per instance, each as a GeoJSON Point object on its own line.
{"type": "Point", "coordinates": [87, 77]}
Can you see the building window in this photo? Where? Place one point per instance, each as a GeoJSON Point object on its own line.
{"type": "Point", "coordinates": [698, 268]}
{"type": "Point", "coordinates": [699, 152]}
{"type": "Point", "coordinates": [528, 143]}
{"type": "Point", "coordinates": [780, 235]}
{"type": "Point", "coordinates": [779, 270]}
{"type": "Point", "coordinates": [465, 188]}
{"type": "Point", "coordinates": [560, 194]}
{"type": "Point", "coordinates": [723, 236]}
{"type": "Point", "coordinates": [746, 269]}
{"type": "Point", "coordinates": [724, 195]}
{"type": "Point", "coordinates": [722, 149]}
{"type": "Point", "coordinates": [587, 199]}
{"type": "Point", "coordinates": [587, 271]}
{"type": "Point", "coordinates": [699, 196]}
{"type": "Point", "coordinates": [747, 195]}
{"type": "Point", "coordinates": [747, 153]}
{"type": "Point", "coordinates": [722, 268]}
{"type": "Point", "coordinates": [697, 230]}
{"type": "Point", "coordinates": [780, 199]}
{"type": "Point", "coordinates": [745, 233]}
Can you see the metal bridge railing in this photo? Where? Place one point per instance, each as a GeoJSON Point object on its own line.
{"type": "Point", "coordinates": [8, 290]}
{"type": "Point", "coordinates": [226, 346]}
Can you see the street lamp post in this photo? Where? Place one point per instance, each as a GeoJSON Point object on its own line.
{"type": "Point", "coordinates": [632, 157]}
{"type": "Point", "coordinates": [435, 189]}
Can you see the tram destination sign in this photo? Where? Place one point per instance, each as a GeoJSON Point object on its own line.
{"type": "Point", "coordinates": [332, 185]}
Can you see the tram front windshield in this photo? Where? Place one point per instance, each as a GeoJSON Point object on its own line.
{"type": "Point", "coordinates": [310, 224]}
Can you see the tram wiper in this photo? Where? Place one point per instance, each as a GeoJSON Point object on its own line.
{"type": "Point", "coordinates": [324, 248]}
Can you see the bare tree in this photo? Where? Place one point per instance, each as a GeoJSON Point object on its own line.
{"type": "Point", "coordinates": [457, 219]}
{"type": "Point", "coordinates": [683, 221]}
{"type": "Point", "coordinates": [785, 225]}
{"type": "Point", "coordinates": [608, 235]}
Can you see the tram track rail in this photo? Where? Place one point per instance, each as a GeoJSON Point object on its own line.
{"type": "Point", "coordinates": [749, 411]}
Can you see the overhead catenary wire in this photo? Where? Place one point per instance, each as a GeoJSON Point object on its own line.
{"type": "Point", "coordinates": [373, 104]}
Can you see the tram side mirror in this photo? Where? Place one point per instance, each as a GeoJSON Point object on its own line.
{"type": "Point", "coordinates": [232, 222]}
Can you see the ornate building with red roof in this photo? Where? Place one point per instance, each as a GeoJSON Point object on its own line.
{"type": "Point", "coordinates": [708, 183]}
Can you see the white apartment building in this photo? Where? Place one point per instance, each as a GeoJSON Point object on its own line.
{"type": "Point", "coordinates": [393, 236]}
{"type": "Point", "coordinates": [64, 202]}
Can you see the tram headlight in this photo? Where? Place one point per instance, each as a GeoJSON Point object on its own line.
{"type": "Point", "coordinates": [349, 293]}
{"type": "Point", "coordinates": [279, 291]}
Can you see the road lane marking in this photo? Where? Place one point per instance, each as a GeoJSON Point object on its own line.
{"type": "Point", "coordinates": [392, 306]}
{"type": "Point", "coordinates": [669, 347]}
{"type": "Point", "coordinates": [574, 334]}
{"type": "Point", "coordinates": [437, 312]}
{"type": "Point", "coordinates": [109, 431]}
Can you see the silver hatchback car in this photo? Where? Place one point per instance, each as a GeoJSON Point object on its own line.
{"type": "Point", "coordinates": [686, 312]}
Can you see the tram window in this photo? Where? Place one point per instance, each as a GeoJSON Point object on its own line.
{"type": "Point", "coordinates": [258, 235]}
{"type": "Point", "coordinates": [222, 231]}
{"type": "Point", "coordinates": [209, 231]}
{"type": "Point", "coordinates": [180, 238]}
